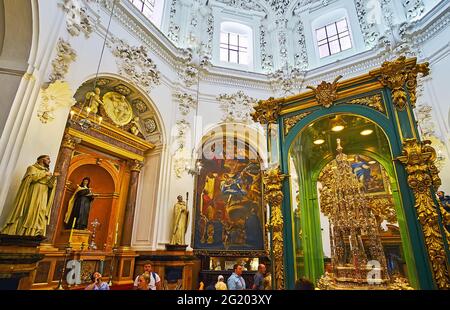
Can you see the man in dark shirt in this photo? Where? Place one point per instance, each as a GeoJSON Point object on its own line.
{"type": "Point", "coordinates": [258, 280]}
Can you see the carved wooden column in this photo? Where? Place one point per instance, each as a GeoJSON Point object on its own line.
{"type": "Point", "coordinates": [131, 203]}
{"type": "Point", "coordinates": [62, 166]}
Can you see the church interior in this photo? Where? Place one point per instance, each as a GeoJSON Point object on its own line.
{"type": "Point", "coordinates": [169, 144]}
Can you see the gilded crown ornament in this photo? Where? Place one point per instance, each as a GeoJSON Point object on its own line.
{"type": "Point", "coordinates": [325, 92]}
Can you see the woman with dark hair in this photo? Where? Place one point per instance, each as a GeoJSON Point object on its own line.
{"type": "Point", "coordinates": [80, 205]}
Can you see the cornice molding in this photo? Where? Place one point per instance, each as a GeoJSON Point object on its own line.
{"type": "Point", "coordinates": [422, 30]}
{"type": "Point", "coordinates": [432, 23]}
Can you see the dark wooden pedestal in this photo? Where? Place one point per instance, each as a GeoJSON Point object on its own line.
{"type": "Point", "coordinates": [19, 256]}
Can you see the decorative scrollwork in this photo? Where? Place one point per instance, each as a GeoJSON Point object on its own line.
{"type": "Point", "coordinates": [394, 75]}
{"type": "Point", "coordinates": [418, 159]}
{"type": "Point", "coordinates": [375, 102]}
{"type": "Point", "coordinates": [273, 195]}
{"type": "Point", "coordinates": [446, 221]}
{"type": "Point", "coordinates": [325, 92]}
{"type": "Point", "coordinates": [267, 111]}
{"type": "Point", "coordinates": [291, 121]}
{"type": "Point", "coordinates": [136, 165]}
{"type": "Point", "coordinates": [70, 142]}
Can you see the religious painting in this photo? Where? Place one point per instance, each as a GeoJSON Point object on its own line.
{"type": "Point", "coordinates": [229, 212]}
{"type": "Point", "coordinates": [369, 173]}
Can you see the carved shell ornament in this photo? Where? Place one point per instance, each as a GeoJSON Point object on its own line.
{"type": "Point", "coordinates": [117, 108]}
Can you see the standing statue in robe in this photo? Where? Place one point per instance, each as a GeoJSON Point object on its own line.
{"type": "Point", "coordinates": [80, 205]}
{"type": "Point", "coordinates": [32, 205]}
{"type": "Point", "coordinates": [180, 221]}
{"type": "Point", "coordinates": [93, 100]}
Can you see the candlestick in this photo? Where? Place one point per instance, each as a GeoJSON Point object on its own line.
{"type": "Point", "coordinates": [88, 109]}
{"type": "Point", "coordinates": [100, 119]}
{"type": "Point", "coordinates": [72, 112]}
{"type": "Point", "coordinates": [117, 233]}
{"type": "Point", "coordinates": [71, 231]}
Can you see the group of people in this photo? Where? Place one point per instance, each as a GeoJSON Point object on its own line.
{"type": "Point", "coordinates": [261, 280]}
{"type": "Point", "coordinates": [148, 280]}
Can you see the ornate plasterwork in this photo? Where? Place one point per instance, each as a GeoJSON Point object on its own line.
{"type": "Point", "coordinates": [286, 80]}
{"type": "Point", "coordinates": [210, 31]}
{"type": "Point", "coordinates": [150, 125]}
{"type": "Point", "coordinates": [77, 20]}
{"type": "Point", "coordinates": [181, 154]}
{"type": "Point", "coordinates": [281, 25]}
{"type": "Point", "coordinates": [266, 59]}
{"type": "Point", "coordinates": [186, 102]}
{"type": "Point", "coordinates": [140, 105]}
{"type": "Point", "coordinates": [369, 13]}
{"type": "Point", "coordinates": [237, 107]}
{"type": "Point", "coordinates": [427, 129]}
{"type": "Point", "coordinates": [279, 6]}
{"type": "Point", "coordinates": [56, 95]}
{"type": "Point", "coordinates": [414, 8]}
{"type": "Point", "coordinates": [135, 63]}
{"type": "Point", "coordinates": [65, 55]}
{"type": "Point", "coordinates": [174, 29]}
{"type": "Point", "coordinates": [301, 58]}
{"type": "Point", "coordinates": [252, 5]}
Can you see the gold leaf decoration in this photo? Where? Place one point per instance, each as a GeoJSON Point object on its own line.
{"type": "Point", "coordinates": [291, 121]}
{"type": "Point", "coordinates": [325, 92]}
{"type": "Point", "coordinates": [394, 75]}
{"type": "Point", "coordinates": [418, 158]}
{"type": "Point", "coordinates": [273, 195]}
{"type": "Point", "coordinates": [267, 111]}
{"type": "Point", "coordinates": [374, 102]}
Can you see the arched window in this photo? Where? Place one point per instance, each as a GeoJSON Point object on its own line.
{"type": "Point", "coordinates": [332, 34]}
{"type": "Point", "coordinates": [333, 38]}
{"type": "Point", "coordinates": [236, 44]}
{"type": "Point", "coordinates": [152, 9]}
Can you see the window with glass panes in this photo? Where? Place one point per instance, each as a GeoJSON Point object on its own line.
{"type": "Point", "coordinates": [333, 38]}
{"type": "Point", "coordinates": [234, 48]}
{"type": "Point", "coordinates": [147, 7]}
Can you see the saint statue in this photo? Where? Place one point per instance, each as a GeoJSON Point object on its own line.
{"type": "Point", "coordinates": [80, 205]}
{"type": "Point", "coordinates": [180, 221]}
{"type": "Point", "coordinates": [135, 126]}
{"type": "Point", "coordinates": [32, 205]}
{"type": "Point", "coordinates": [93, 99]}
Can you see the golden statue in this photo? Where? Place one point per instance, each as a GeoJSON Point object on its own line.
{"type": "Point", "coordinates": [180, 221]}
{"type": "Point", "coordinates": [32, 205]}
{"type": "Point", "coordinates": [93, 100]}
{"type": "Point", "coordinates": [117, 108]}
{"type": "Point", "coordinates": [135, 127]}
